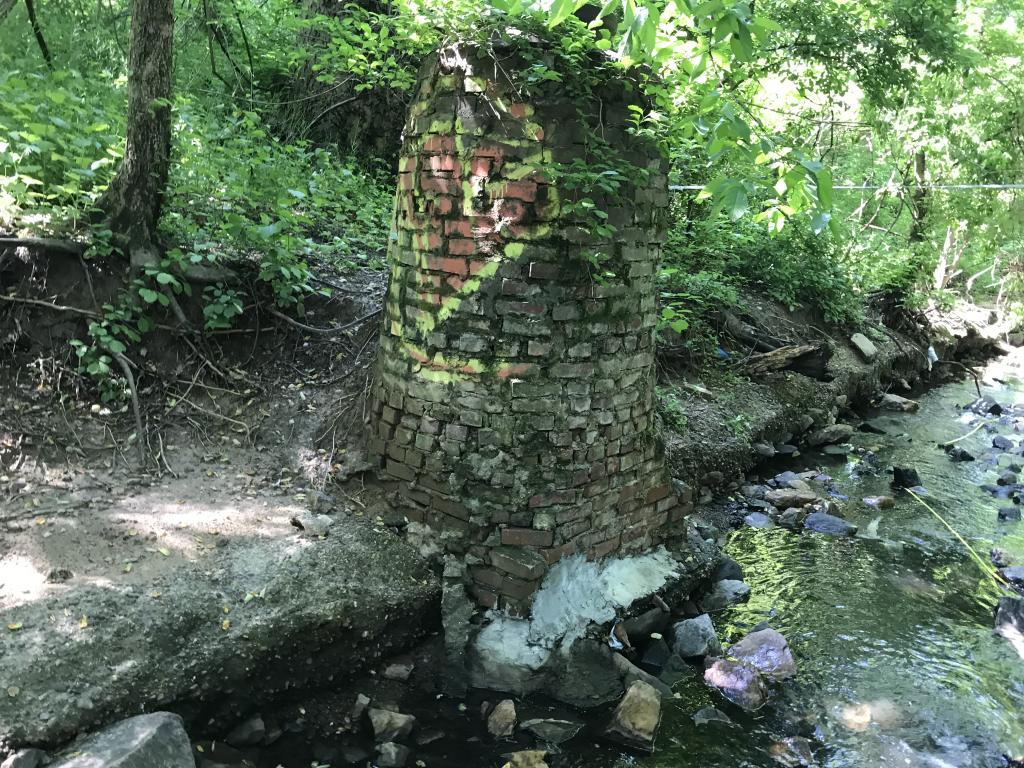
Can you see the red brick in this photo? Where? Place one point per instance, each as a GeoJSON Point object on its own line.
{"type": "Point", "coordinates": [526, 537]}
{"type": "Point", "coordinates": [438, 184]}
{"type": "Point", "coordinates": [442, 264]}
{"type": "Point", "coordinates": [439, 144]}
{"type": "Point", "coordinates": [460, 227]}
{"type": "Point", "coordinates": [443, 206]}
{"type": "Point", "coordinates": [461, 247]}
{"type": "Point", "coordinates": [405, 182]}
{"type": "Point", "coordinates": [658, 493]}
{"type": "Point", "coordinates": [517, 370]}
{"type": "Point", "coordinates": [476, 265]}
{"type": "Point", "coordinates": [442, 163]}
{"type": "Point", "coordinates": [480, 166]}
{"type": "Point", "coordinates": [517, 110]}
{"type": "Point", "coordinates": [408, 165]}
{"type": "Point", "coordinates": [605, 548]}
{"type": "Point", "coordinates": [521, 190]}
{"type": "Point", "coordinates": [429, 298]}
{"type": "Point", "coordinates": [511, 210]}
{"type": "Point", "coordinates": [484, 597]}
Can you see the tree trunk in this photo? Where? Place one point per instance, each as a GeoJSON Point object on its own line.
{"type": "Point", "coordinates": [134, 199]}
{"type": "Point", "coordinates": [919, 203]}
{"type": "Point", "coordinates": [37, 30]}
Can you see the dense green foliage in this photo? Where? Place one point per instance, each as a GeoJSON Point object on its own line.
{"type": "Point", "coordinates": [287, 120]}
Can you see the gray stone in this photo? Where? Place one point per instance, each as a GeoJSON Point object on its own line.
{"type": "Point", "coordinates": [764, 449]}
{"type": "Point", "coordinates": [1009, 513]}
{"type": "Point", "coordinates": [696, 637]}
{"type": "Point", "coordinates": [891, 402]}
{"type": "Point", "coordinates": [399, 672]}
{"type": "Point", "coordinates": [1010, 620]}
{"type": "Point", "coordinates": [792, 752]}
{"type": "Point", "coordinates": [880, 502]}
{"type": "Point", "coordinates": [630, 673]}
{"type": "Point", "coordinates": [1007, 477]}
{"type": "Point", "coordinates": [837, 433]}
{"type": "Point", "coordinates": [784, 498]}
{"type": "Point", "coordinates": [589, 677]}
{"type": "Point", "coordinates": [391, 755]}
{"type": "Point", "coordinates": [144, 741]}
{"type": "Point", "coordinates": [248, 733]}
{"type": "Point", "coordinates": [740, 683]}
{"type": "Point", "coordinates": [822, 522]}
{"type": "Point", "coordinates": [727, 568]}
{"type": "Point", "coordinates": [767, 651]}
{"type": "Point", "coordinates": [636, 718]}
{"type": "Point", "coordinates": [390, 726]}
{"type": "Point", "coordinates": [359, 707]}
{"type": "Point", "coordinates": [707, 715]}
{"type": "Point", "coordinates": [552, 731]}
{"type": "Point", "coordinates": [758, 520]}
{"type": "Point", "coordinates": [723, 594]}
{"type": "Point", "coordinates": [25, 758]}
{"type": "Point", "coordinates": [864, 346]}
{"type": "Point", "coordinates": [313, 525]}
{"type": "Point", "coordinates": [1014, 574]}
{"type": "Point", "coordinates": [501, 723]}
{"type": "Point", "coordinates": [1002, 443]}
{"type": "Point", "coordinates": [675, 671]}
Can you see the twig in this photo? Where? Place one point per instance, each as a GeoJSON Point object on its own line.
{"type": "Point", "coordinates": [977, 384]}
{"type": "Point", "coordinates": [325, 331]}
{"type": "Point", "coordinates": [139, 433]}
{"type": "Point", "coordinates": [44, 243]}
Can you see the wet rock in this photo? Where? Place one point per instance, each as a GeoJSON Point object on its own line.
{"type": "Point", "coordinates": [390, 726]}
{"type": "Point", "coordinates": [1010, 620]}
{"type": "Point", "coordinates": [790, 497]}
{"type": "Point", "coordinates": [655, 655]}
{"type": "Point", "coordinates": [589, 677]}
{"type": "Point", "coordinates": [1002, 443]}
{"type": "Point", "coordinates": [636, 718]}
{"type": "Point", "coordinates": [792, 518]}
{"type": "Point", "coordinates": [891, 402]}
{"type": "Point", "coordinates": [359, 707]}
{"type": "Point", "coordinates": [248, 733]}
{"type": "Point", "coordinates": [144, 741]}
{"type": "Point", "coordinates": [391, 755]}
{"type": "Point", "coordinates": [836, 433]}
{"type": "Point", "coordinates": [792, 751]}
{"type": "Point", "coordinates": [727, 568]}
{"type": "Point", "coordinates": [958, 454]}
{"type": "Point", "coordinates": [864, 346]}
{"type": "Point", "coordinates": [905, 477]}
{"type": "Point", "coordinates": [25, 758]}
{"type": "Point", "coordinates": [872, 426]}
{"type": "Point", "coordinates": [696, 637]}
{"type": "Point", "coordinates": [836, 450]}
{"type": "Point", "coordinates": [740, 683]}
{"type": "Point", "coordinates": [527, 758]}
{"type": "Point", "coordinates": [675, 671]}
{"type": "Point", "coordinates": [710, 715]}
{"type": "Point", "coordinates": [758, 520]}
{"type": "Point", "coordinates": [723, 594]}
{"type": "Point", "coordinates": [552, 731]}
{"type": "Point", "coordinates": [822, 522]}
{"type": "Point", "coordinates": [501, 723]}
{"type": "Point", "coordinates": [642, 626]}
{"type": "Point", "coordinates": [1014, 574]}
{"type": "Point", "coordinates": [764, 449]}
{"type": "Point", "coordinates": [767, 651]}
{"type": "Point", "coordinates": [427, 736]}
{"type": "Point", "coordinates": [399, 672]}
{"type": "Point", "coordinates": [1009, 513]}
{"type": "Point", "coordinates": [787, 449]}
{"type": "Point", "coordinates": [1007, 477]}
{"type": "Point", "coordinates": [1000, 557]}
{"type": "Point", "coordinates": [630, 673]}
{"type": "Point", "coordinates": [880, 502]}
{"type": "Point", "coordinates": [752, 492]}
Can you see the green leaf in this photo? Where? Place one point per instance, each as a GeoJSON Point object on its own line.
{"type": "Point", "coordinates": [560, 11]}
{"type": "Point", "coordinates": [165, 278]}
{"type": "Point", "coordinates": [148, 295]}
{"type": "Point", "coordinates": [735, 200]}
{"type": "Point", "coordinates": [824, 179]}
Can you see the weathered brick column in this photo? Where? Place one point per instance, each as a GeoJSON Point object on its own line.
{"type": "Point", "coordinates": [515, 386]}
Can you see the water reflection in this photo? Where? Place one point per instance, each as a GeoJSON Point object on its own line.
{"type": "Point", "coordinates": [892, 630]}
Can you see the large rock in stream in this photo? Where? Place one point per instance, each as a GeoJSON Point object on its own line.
{"type": "Point", "coordinates": [696, 637]}
{"type": "Point", "coordinates": [637, 717]}
{"type": "Point", "coordinates": [822, 522]}
{"type": "Point", "coordinates": [325, 605]}
{"type": "Point", "coordinates": [146, 741]}
{"type": "Point", "coordinates": [740, 683]}
{"type": "Point", "coordinates": [767, 651]}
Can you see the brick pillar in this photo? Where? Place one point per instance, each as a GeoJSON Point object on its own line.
{"type": "Point", "coordinates": [514, 395]}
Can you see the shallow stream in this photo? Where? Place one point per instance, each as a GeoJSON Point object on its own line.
{"type": "Point", "coordinates": [898, 663]}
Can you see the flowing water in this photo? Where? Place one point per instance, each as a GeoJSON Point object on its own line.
{"type": "Point", "coordinates": [898, 663]}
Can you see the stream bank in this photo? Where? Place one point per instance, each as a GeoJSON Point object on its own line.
{"type": "Point", "coordinates": [265, 623]}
